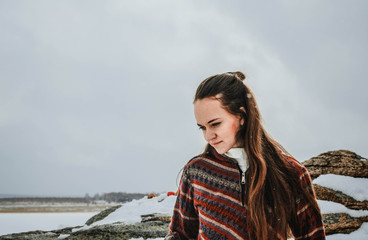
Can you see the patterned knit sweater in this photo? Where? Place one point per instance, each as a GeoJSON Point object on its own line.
{"type": "Point", "coordinates": [209, 204]}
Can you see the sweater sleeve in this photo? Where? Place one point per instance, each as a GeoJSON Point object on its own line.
{"type": "Point", "coordinates": [184, 222]}
{"type": "Point", "coordinates": [309, 225]}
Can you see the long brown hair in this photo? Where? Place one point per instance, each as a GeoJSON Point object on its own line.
{"type": "Point", "coordinates": [272, 182]}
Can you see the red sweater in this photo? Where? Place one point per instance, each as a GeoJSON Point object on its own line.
{"type": "Point", "coordinates": [209, 203]}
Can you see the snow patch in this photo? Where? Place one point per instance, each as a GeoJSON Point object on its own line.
{"type": "Point", "coordinates": [332, 207]}
{"type": "Point", "coordinates": [83, 228]}
{"type": "Point", "coordinates": [62, 236]}
{"type": "Point", "coordinates": [354, 187]}
{"type": "Point", "coordinates": [130, 213]}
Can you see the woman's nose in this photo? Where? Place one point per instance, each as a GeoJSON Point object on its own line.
{"type": "Point", "coordinates": [209, 135]}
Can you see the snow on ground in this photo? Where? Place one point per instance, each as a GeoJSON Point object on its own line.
{"type": "Point", "coordinates": [332, 207]}
{"type": "Point", "coordinates": [24, 222]}
{"type": "Point", "coordinates": [354, 187]}
{"type": "Point", "coordinates": [63, 236]}
{"type": "Point", "coordinates": [131, 212]}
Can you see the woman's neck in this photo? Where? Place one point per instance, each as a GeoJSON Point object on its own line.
{"type": "Point", "coordinates": [240, 156]}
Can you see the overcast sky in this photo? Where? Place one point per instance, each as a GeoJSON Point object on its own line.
{"type": "Point", "coordinates": [96, 96]}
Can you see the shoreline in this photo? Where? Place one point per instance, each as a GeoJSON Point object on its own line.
{"type": "Point", "coordinates": [45, 211]}
{"type": "Point", "coordinates": [34, 208]}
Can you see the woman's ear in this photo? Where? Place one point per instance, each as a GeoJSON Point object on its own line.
{"type": "Point", "coordinates": [241, 117]}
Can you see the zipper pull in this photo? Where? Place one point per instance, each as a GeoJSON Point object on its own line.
{"type": "Point", "coordinates": [243, 178]}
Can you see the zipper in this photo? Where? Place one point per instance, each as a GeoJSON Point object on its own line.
{"type": "Point", "coordinates": [242, 185]}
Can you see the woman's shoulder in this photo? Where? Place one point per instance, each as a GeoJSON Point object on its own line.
{"type": "Point", "coordinates": [192, 167]}
{"type": "Point", "coordinates": [296, 165]}
{"type": "Point", "coordinates": [208, 160]}
{"type": "Point", "coordinates": [197, 160]}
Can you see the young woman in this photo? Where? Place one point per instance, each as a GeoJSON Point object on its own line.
{"type": "Point", "coordinates": [244, 185]}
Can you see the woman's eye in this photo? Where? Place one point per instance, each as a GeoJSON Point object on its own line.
{"type": "Point", "coordinates": [202, 128]}
{"type": "Point", "coordinates": [216, 124]}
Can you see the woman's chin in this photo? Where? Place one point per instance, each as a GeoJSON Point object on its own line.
{"type": "Point", "coordinates": [220, 150]}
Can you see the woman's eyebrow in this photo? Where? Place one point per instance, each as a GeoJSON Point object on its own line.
{"type": "Point", "coordinates": [199, 125]}
{"type": "Point", "coordinates": [213, 120]}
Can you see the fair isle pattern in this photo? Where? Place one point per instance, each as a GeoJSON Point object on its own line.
{"type": "Point", "coordinates": [214, 179]}
{"type": "Point", "coordinates": [209, 203]}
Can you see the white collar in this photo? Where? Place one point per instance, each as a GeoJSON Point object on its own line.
{"type": "Point", "coordinates": [240, 156]}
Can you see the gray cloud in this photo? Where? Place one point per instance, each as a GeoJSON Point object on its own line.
{"type": "Point", "coordinates": [97, 97]}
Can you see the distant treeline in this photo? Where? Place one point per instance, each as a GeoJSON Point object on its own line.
{"type": "Point", "coordinates": [118, 197]}
{"type": "Point", "coordinates": [44, 199]}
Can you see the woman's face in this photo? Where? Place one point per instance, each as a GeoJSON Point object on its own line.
{"type": "Point", "coordinates": [219, 127]}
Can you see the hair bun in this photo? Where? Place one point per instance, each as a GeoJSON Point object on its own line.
{"type": "Point", "coordinates": [240, 75]}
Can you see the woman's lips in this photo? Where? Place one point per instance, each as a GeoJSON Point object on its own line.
{"type": "Point", "coordinates": [216, 143]}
